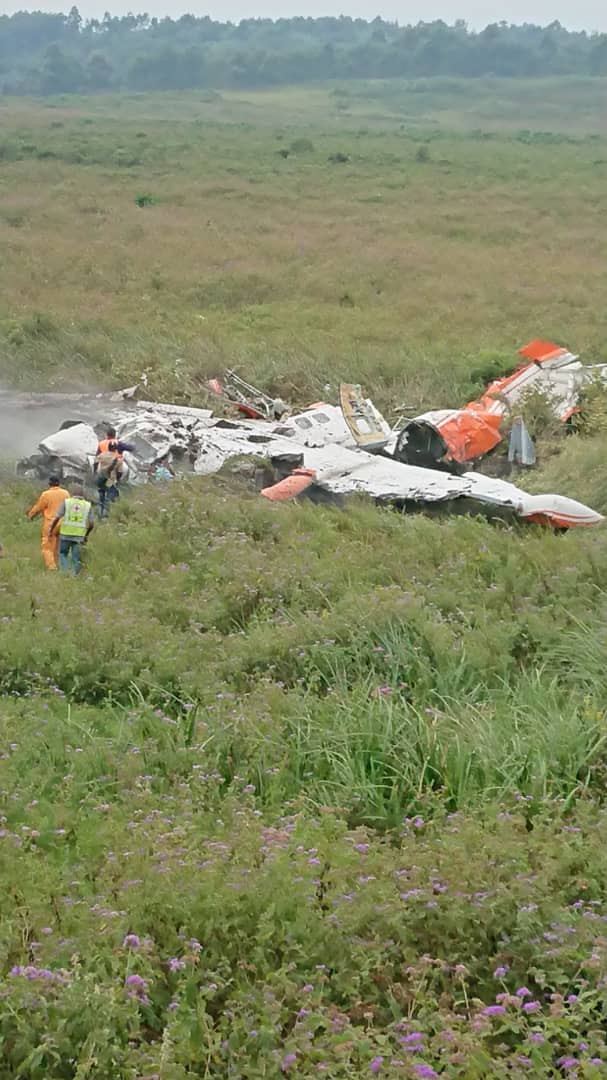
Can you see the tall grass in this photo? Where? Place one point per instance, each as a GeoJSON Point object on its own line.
{"type": "Point", "coordinates": [298, 271]}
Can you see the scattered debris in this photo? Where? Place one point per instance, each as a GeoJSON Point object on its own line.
{"type": "Point", "coordinates": [368, 427]}
{"type": "Point", "coordinates": [247, 399]}
{"type": "Point", "coordinates": [337, 450]}
{"type": "Point", "coordinates": [448, 437]}
{"type": "Point", "coordinates": [521, 450]}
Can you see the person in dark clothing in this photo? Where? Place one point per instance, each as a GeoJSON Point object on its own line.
{"type": "Point", "coordinates": [108, 469]}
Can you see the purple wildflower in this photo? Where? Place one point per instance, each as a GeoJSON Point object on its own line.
{"type": "Point", "coordinates": [414, 1037]}
{"type": "Point", "coordinates": [531, 1006]}
{"type": "Point", "coordinates": [136, 981]}
{"type": "Point", "coordinates": [376, 1064]}
{"type": "Point", "coordinates": [425, 1072]}
{"type": "Point", "coordinates": [175, 964]}
{"type": "Point", "coordinates": [131, 941]}
{"type": "Point", "coordinates": [568, 1063]}
{"type": "Point", "coordinates": [494, 1010]}
{"type": "Point", "coordinates": [308, 988]}
{"type": "Point", "coordinates": [287, 1061]}
{"type": "Point", "coordinates": [35, 974]}
{"type": "Point", "coordinates": [537, 1037]}
{"type": "Point", "coordinates": [523, 992]}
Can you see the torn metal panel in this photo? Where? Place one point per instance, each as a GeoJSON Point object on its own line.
{"type": "Point", "coordinates": [521, 450]}
{"type": "Point", "coordinates": [69, 453]}
{"type": "Point", "coordinates": [218, 445]}
{"type": "Point", "coordinates": [322, 425]}
{"type": "Point", "coordinates": [76, 445]}
{"type": "Point", "coordinates": [367, 426]}
{"type": "Point", "coordinates": [185, 413]}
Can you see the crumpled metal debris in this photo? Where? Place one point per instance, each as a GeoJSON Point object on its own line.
{"type": "Point", "coordinates": [246, 398]}
{"type": "Point", "coordinates": [338, 450]}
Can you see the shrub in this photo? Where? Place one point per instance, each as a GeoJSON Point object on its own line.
{"type": "Point", "coordinates": [301, 146]}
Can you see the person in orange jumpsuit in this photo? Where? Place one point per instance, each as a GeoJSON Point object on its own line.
{"type": "Point", "coordinates": [47, 505]}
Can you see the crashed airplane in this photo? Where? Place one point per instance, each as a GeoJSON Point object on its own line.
{"type": "Point", "coordinates": [338, 449]}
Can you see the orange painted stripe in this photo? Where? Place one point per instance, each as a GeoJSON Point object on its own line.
{"type": "Point", "coordinates": [291, 486]}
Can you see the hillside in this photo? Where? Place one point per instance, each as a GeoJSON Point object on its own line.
{"type": "Point", "coordinates": [287, 789]}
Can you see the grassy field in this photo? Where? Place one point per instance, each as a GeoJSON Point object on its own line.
{"type": "Point", "coordinates": [445, 239]}
{"type": "Point", "coordinates": [287, 790]}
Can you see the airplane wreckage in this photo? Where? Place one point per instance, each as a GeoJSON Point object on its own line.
{"type": "Point", "coordinates": [427, 460]}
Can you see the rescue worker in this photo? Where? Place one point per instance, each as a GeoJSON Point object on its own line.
{"type": "Point", "coordinates": [47, 505]}
{"type": "Point", "coordinates": [114, 446]}
{"type": "Point", "coordinates": [108, 468]}
{"type": "Point", "coordinates": [75, 520]}
{"type": "Point", "coordinates": [106, 479]}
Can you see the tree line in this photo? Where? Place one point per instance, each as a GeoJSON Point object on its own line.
{"type": "Point", "coordinates": [44, 54]}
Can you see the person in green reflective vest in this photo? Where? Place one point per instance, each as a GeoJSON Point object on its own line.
{"type": "Point", "coordinates": [75, 520]}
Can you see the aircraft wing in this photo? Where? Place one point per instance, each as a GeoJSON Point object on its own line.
{"type": "Point", "coordinates": [343, 471]}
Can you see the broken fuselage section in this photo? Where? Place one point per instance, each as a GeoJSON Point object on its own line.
{"type": "Point", "coordinates": [453, 438]}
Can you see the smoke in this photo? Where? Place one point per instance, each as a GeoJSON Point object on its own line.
{"type": "Point", "coordinates": [26, 419]}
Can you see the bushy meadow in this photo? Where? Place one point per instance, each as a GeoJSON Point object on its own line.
{"type": "Point", "coordinates": [293, 789]}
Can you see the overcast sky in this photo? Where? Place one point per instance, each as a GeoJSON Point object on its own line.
{"type": "Point", "coordinates": [582, 15]}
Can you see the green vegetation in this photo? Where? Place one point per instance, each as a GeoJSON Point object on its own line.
{"type": "Point", "coordinates": [357, 256]}
{"type": "Point", "coordinates": [57, 53]}
{"type": "Point", "coordinates": [288, 790]}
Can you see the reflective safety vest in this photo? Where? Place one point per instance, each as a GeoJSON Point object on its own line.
{"type": "Point", "coordinates": [76, 518]}
{"type": "Point", "coordinates": [104, 448]}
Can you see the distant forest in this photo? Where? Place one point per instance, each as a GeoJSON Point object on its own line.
{"type": "Point", "coordinates": [44, 54]}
